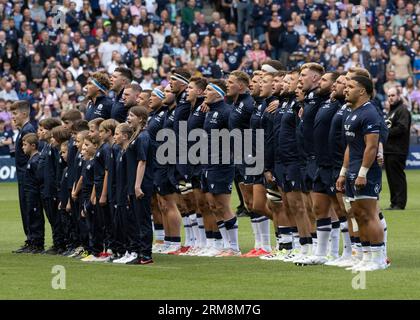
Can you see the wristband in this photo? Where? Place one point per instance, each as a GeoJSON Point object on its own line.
{"type": "Point", "coordinates": [363, 172]}
{"type": "Point", "coordinates": [343, 172]}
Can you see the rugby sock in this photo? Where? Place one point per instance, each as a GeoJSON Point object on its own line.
{"type": "Point", "coordinates": [314, 241]}
{"type": "Point", "coordinates": [323, 231]}
{"type": "Point", "coordinates": [222, 230]}
{"type": "Point", "coordinates": [167, 240]}
{"type": "Point", "coordinates": [176, 241]}
{"type": "Point", "coordinates": [159, 232]}
{"type": "Point", "coordinates": [257, 241]}
{"type": "Point", "coordinates": [232, 230]}
{"type": "Point", "coordinates": [335, 239]}
{"type": "Point", "coordinates": [278, 238]}
{"type": "Point", "coordinates": [304, 246]}
{"type": "Point", "coordinates": [218, 241]}
{"type": "Point", "coordinates": [188, 231]}
{"type": "Point", "coordinates": [264, 226]}
{"type": "Point", "coordinates": [201, 231]}
{"type": "Point", "coordinates": [358, 248]}
{"type": "Point", "coordinates": [209, 239]}
{"type": "Point", "coordinates": [346, 237]}
{"type": "Point", "coordinates": [366, 251]}
{"type": "Point", "coordinates": [310, 246]}
{"type": "Point", "coordinates": [377, 253]}
{"type": "Point", "coordinates": [194, 227]}
{"type": "Point", "coordinates": [287, 238]}
{"type": "Point", "coordinates": [296, 241]}
{"type": "Point", "coordinates": [384, 225]}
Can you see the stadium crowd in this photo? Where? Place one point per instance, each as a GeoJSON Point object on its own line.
{"type": "Point", "coordinates": [117, 60]}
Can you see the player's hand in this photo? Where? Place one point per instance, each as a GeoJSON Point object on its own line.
{"type": "Point", "coordinates": [300, 114]}
{"type": "Point", "coordinates": [139, 192]}
{"type": "Point", "coordinates": [273, 106]}
{"type": "Point", "coordinates": [380, 159]}
{"type": "Point", "coordinates": [74, 196]}
{"type": "Point", "coordinates": [204, 107]}
{"type": "Point", "coordinates": [93, 200]}
{"type": "Point", "coordinates": [83, 213]}
{"type": "Point", "coordinates": [339, 185]}
{"type": "Point", "coordinates": [360, 183]}
{"type": "Point", "coordinates": [102, 200]}
{"type": "Point", "coordinates": [68, 207]}
{"type": "Point", "coordinates": [268, 177]}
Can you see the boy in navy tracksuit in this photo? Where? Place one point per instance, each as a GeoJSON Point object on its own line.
{"type": "Point", "coordinates": [59, 140]}
{"type": "Point", "coordinates": [103, 223]}
{"type": "Point", "coordinates": [72, 121]}
{"type": "Point", "coordinates": [87, 200]}
{"type": "Point", "coordinates": [32, 195]}
{"type": "Point", "coordinates": [48, 170]}
{"type": "Point", "coordinates": [122, 136]}
{"type": "Point", "coordinates": [78, 219]}
{"type": "Point", "coordinates": [20, 115]}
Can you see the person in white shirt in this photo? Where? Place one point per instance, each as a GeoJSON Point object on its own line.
{"type": "Point", "coordinates": [136, 29]}
{"type": "Point", "coordinates": [75, 68]}
{"type": "Point", "coordinates": [106, 48]}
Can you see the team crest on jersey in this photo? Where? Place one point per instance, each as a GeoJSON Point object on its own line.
{"type": "Point", "coordinates": [98, 154]}
{"type": "Point", "coordinates": [230, 187]}
{"type": "Point", "coordinates": [100, 106]}
{"type": "Point", "coordinates": [28, 166]}
{"type": "Point", "coordinates": [215, 115]}
{"type": "Point", "coordinates": [212, 185]}
{"type": "Point", "coordinates": [232, 59]}
{"type": "Point", "coordinates": [49, 152]}
{"type": "Point", "coordinates": [241, 105]}
{"type": "Point", "coordinates": [377, 188]}
{"type": "Point", "coordinates": [310, 95]}
{"type": "Point", "coordinates": [161, 113]}
{"type": "Point", "coordinates": [259, 107]}
{"type": "Point", "coordinates": [66, 175]}
{"type": "Point", "coordinates": [88, 166]}
{"type": "Point", "coordinates": [354, 117]}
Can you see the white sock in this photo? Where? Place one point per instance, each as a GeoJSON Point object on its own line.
{"type": "Point", "coordinates": [314, 245]}
{"type": "Point", "coordinates": [218, 244]}
{"type": "Point", "coordinates": [222, 230]}
{"type": "Point", "coordinates": [264, 227]}
{"type": "Point", "coordinates": [188, 231]}
{"type": "Point", "coordinates": [296, 238]}
{"type": "Point", "coordinates": [232, 230]}
{"type": "Point", "coordinates": [384, 225]}
{"type": "Point", "coordinates": [159, 234]}
{"type": "Point", "coordinates": [344, 226]}
{"type": "Point", "coordinates": [377, 254]}
{"type": "Point", "coordinates": [196, 232]}
{"type": "Point", "coordinates": [304, 249]}
{"type": "Point", "coordinates": [201, 231]}
{"type": "Point", "coordinates": [335, 239]}
{"type": "Point", "coordinates": [255, 231]}
{"type": "Point", "coordinates": [366, 253]}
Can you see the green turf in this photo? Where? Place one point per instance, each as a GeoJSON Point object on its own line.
{"type": "Point", "coordinates": [171, 277]}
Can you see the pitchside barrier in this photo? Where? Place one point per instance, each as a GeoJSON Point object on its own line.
{"type": "Point", "coordinates": [8, 169]}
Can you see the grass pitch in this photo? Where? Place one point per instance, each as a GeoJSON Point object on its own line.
{"type": "Point", "coordinates": [178, 277]}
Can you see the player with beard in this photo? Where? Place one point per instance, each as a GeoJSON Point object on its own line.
{"type": "Point", "coordinates": [120, 78]}
{"type": "Point", "coordinates": [361, 173]}
{"type": "Point", "coordinates": [323, 193]}
{"type": "Point", "coordinates": [309, 77]}
{"type": "Point", "coordinates": [337, 146]}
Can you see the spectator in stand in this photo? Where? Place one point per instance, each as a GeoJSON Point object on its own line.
{"type": "Point", "coordinates": [401, 64]}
